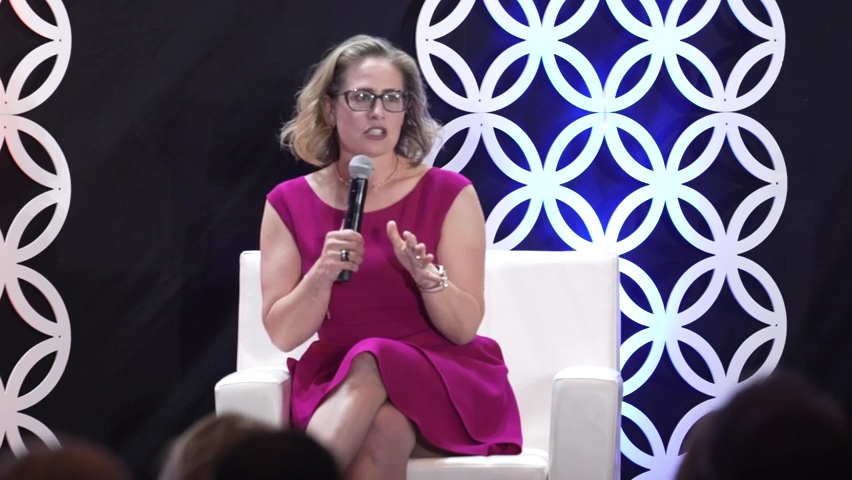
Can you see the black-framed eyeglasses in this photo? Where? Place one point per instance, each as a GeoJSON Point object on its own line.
{"type": "Point", "coordinates": [365, 100]}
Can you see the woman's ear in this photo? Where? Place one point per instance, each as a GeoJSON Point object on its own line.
{"type": "Point", "coordinates": [328, 109]}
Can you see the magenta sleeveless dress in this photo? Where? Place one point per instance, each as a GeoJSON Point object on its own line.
{"type": "Point", "coordinates": [459, 397]}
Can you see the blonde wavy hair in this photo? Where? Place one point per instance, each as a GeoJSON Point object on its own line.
{"type": "Point", "coordinates": [310, 136]}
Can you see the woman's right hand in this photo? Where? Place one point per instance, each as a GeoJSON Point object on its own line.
{"type": "Point", "coordinates": [331, 262]}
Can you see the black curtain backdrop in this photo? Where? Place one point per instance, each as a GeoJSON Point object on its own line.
{"type": "Point", "coordinates": [167, 116]}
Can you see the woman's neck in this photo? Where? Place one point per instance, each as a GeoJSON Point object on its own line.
{"type": "Point", "coordinates": [384, 167]}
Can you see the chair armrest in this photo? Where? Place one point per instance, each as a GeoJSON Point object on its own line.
{"type": "Point", "coordinates": [585, 427]}
{"type": "Point", "coordinates": [262, 394]}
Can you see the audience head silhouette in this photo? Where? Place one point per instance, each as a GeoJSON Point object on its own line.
{"type": "Point", "coordinates": [194, 454]}
{"type": "Point", "coordinates": [777, 428]}
{"type": "Point", "coordinates": [285, 454]}
{"type": "Point", "coordinates": [76, 460]}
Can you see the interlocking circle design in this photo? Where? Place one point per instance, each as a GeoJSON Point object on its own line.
{"type": "Point", "coordinates": [663, 183]}
{"type": "Point", "coordinates": [13, 401]}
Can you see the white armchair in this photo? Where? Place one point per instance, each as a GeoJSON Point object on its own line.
{"type": "Point", "coordinates": [556, 317]}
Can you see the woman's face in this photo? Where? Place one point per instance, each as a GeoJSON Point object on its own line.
{"type": "Point", "coordinates": [368, 125]}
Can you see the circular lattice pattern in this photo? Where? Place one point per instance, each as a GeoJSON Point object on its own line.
{"type": "Point", "coordinates": [664, 184]}
{"type": "Point", "coordinates": [14, 401]}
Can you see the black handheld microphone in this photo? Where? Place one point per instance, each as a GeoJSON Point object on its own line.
{"type": "Point", "coordinates": [360, 169]}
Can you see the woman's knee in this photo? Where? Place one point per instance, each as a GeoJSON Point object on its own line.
{"type": "Point", "coordinates": [364, 372]}
{"type": "Point", "coordinates": [391, 433]}
{"type": "Point", "coordinates": [365, 362]}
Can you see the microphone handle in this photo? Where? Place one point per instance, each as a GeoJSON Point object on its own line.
{"type": "Point", "coordinates": [357, 197]}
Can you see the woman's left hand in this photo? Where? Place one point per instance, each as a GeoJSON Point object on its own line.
{"type": "Point", "coordinates": [414, 257]}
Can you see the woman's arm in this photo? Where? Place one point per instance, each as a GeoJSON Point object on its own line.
{"type": "Point", "coordinates": [293, 310]}
{"type": "Point", "coordinates": [457, 310]}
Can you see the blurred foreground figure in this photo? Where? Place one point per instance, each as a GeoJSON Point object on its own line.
{"type": "Point", "coordinates": [777, 428]}
{"type": "Point", "coordinates": [281, 455]}
{"type": "Point", "coordinates": [194, 454]}
{"type": "Point", "coordinates": [76, 460]}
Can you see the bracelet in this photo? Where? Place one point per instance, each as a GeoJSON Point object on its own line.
{"type": "Point", "coordinates": [442, 284]}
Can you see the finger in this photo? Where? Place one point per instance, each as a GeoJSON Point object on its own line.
{"type": "Point", "coordinates": [359, 249]}
{"type": "Point", "coordinates": [349, 235]}
{"type": "Point", "coordinates": [408, 243]}
{"type": "Point", "coordinates": [352, 263]}
{"type": "Point", "coordinates": [346, 238]}
{"type": "Point", "coordinates": [419, 253]}
{"type": "Point", "coordinates": [425, 259]}
{"type": "Point", "coordinates": [393, 234]}
{"type": "Point", "coordinates": [410, 240]}
{"type": "Point", "coordinates": [336, 255]}
{"type": "Point", "coordinates": [336, 245]}
{"type": "Point", "coordinates": [356, 257]}
{"type": "Point", "coordinates": [398, 241]}
{"type": "Point", "coordinates": [353, 250]}
{"type": "Point", "coordinates": [356, 239]}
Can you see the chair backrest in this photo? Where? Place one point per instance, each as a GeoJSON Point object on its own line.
{"type": "Point", "coordinates": [547, 310]}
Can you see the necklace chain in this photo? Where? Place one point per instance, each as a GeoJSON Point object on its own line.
{"type": "Point", "coordinates": [345, 182]}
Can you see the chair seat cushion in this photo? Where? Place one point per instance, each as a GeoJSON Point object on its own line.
{"type": "Point", "coordinates": [529, 465]}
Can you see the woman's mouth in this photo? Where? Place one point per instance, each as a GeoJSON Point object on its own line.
{"type": "Point", "coordinates": [376, 133]}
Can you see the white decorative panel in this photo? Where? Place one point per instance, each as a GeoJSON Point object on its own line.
{"type": "Point", "coordinates": [13, 400]}
{"type": "Point", "coordinates": [664, 185]}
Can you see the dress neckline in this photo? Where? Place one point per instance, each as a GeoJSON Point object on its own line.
{"type": "Point", "coordinates": [392, 205]}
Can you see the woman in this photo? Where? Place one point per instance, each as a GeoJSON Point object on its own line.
{"type": "Point", "coordinates": [398, 370]}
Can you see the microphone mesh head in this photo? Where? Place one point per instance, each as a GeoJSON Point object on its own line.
{"type": "Point", "coordinates": [360, 167]}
